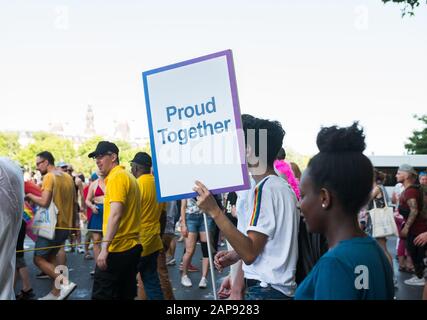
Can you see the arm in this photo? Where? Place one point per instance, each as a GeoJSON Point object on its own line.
{"type": "Point", "coordinates": [375, 192]}
{"type": "Point", "coordinates": [43, 201]}
{"type": "Point", "coordinates": [247, 247]}
{"type": "Point", "coordinates": [79, 184]}
{"type": "Point", "coordinates": [89, 199]}
{"type": "Point", "coordinates": [116, 213]}
{"type": "Point", "coordinates": [413, 206]}
{"type": "Point", "coordinates": [238, 284]}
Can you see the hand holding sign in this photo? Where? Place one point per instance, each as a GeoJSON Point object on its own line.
{"type": "Point", "coordinates": [205, 200]}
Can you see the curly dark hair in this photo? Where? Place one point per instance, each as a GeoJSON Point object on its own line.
{"type": "Point", "coordinates": [341, 167]}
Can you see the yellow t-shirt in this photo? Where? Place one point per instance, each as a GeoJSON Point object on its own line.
{"type": "Point", "coordinates": [64, 194]}
{"type": "Point", "coordinates": [121, 186]}
{"type": "Point", "coordinates": [150, 220]}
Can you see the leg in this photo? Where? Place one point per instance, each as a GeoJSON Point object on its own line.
{"type": "Point", "coordinates": [205, 252]}
{"type": "Point", "coordinates": [383, 244]}
{"type": "Point", "coordinates": [165, 283]}
{"type": "Point", "coordinates": [150, 278]}
{"type": "Point", "coordinates": [48, 265]}
{"type": "Point", "coordinates": [62, 257]}
{"type": "Point", "coordinates": [141, 290]}
{"type": "Point", "coordinates": [25, 277]}
{"type": "Point", "coordinates": [172, 248]}
{"type": "Point", "coordinates": [190, 245]}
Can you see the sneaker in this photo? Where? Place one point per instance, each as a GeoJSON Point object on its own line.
{"type": "Point", "coordinates": [26, 295]}
{"type": "Point", "coordinates": [203, 283]}
{"type": "Point", "coordinates": [415, 281]}
{"type": "Point", "coordinates": [186, 281]}
{"type": "Point", "coordinates": [80, 250]}
{"type": "Point", "coordinates": [171, 262]}
{"type": "Point", "coordinates": [191, 268]}
{"type": "Point", "coordinates": [67, 290]}
{"type": "Point", "coordinates": [88, 256]}
{"type": "Point", "coordinates": [49, 296]}
{"type": "Point", "coordinates": [42, 275]}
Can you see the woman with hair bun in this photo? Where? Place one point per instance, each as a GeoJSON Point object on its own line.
{"type": "Point", "coordinates": [335, 185]}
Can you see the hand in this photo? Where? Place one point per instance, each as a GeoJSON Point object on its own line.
{"type": "Point", "coordinates": [83, 216]}
{"type": "Point", "coordinates": [225, 288]}
{"type": "Point", "coordinates": [224, 259]}
{"type": "Point", "coordinates": [94, 209]}
{"type": "Point", "coordinates": [184, 231]}
{"type": "Point", "coordinates": [421, 239]}
{"type": "Point", "coordinates": [205, 201]}
{"type": "Point", "coordinates": [102, 259]}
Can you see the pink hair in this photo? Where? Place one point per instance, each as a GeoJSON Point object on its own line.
{"type": "Point", "coordinates": [285, 169]}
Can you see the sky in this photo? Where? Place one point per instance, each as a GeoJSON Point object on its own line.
{"type": "Point", "coordinates": [305, 63]}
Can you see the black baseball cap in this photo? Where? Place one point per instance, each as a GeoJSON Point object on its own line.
{"type": "Point", "coordinates": [104, 147]}
{"type": "Point", "coordinates": [143, 159]}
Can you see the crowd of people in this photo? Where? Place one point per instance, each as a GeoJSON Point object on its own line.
{"type": "Point", "coordinates": [290, 236]}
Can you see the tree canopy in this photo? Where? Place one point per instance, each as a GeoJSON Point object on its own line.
{"type": "Point", "coordinates": [408, 6]}
{"type": "Point", "coordinates": [418, 141]}
{"type": "Point", "coordinates": [63, 149]}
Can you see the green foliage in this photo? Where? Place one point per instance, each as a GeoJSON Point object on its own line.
{"type": "Point", "coordinates": [408, 6]}
{"type": "Point", "coordinates": [418, 142]}
{"type": "Point", "coordinates": [299, 159]}
{"type": "Point", "coordinates": [9, 145]}
{"type": "Point", "coordinates": [61, 148]}
{"type": "Point", "coordinates": [81, 162]}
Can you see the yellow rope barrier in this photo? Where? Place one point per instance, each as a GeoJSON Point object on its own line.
{"type": "Point", "coordinates": [60, 246]}
{"type": "Point", "coordinates": [64, 245]}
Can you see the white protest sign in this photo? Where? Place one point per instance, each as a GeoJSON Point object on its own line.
{"type": "Point", "coordinates": [195, 127]}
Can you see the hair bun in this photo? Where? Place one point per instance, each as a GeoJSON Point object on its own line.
{"type": "Point", "coordinates": [347, 139]}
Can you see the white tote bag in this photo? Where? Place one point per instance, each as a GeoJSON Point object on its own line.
{"type": "Point", "coordinates": [45, 221]}
{"type": "Point", "coordinates": [383, 224]}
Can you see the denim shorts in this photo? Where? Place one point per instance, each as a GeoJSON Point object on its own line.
{"type": "Point", "coordinates": [195, 223]}
{"type": "Point", "coordinates": [254, 291]}
{"type": "Point", "coordinates": [59, 240]}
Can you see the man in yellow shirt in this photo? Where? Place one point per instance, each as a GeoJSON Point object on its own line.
{"type": "Point", "coordinates": [57, 187]}
{"type": "Point", "coordinates": [149, 226]}
{"type": "Point", "coordinates": [116, 267]}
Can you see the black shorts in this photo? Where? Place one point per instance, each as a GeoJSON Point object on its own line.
{"type": "Point", "coordinates": [118, 282]}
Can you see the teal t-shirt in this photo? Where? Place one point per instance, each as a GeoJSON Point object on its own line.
{"type": "Point", "coordinates": [355, 269]}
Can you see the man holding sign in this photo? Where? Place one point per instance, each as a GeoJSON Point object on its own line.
{"type": "Point", "coordinates": [267, 235]}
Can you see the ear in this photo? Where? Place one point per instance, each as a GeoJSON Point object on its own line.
{"type": "Point", "coordinates": [325, 198]}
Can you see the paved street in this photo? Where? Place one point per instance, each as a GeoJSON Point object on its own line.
{"type": "Point", "coordinates": [80, 274]}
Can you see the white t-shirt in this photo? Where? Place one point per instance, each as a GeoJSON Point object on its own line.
{"type": "Point", "coordinates": [273, 211]}
{"type": "Point", "coordinates": [242, 198]}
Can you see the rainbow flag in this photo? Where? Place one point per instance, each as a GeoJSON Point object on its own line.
{"type": "Point", "coordinates": [28, 214]}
